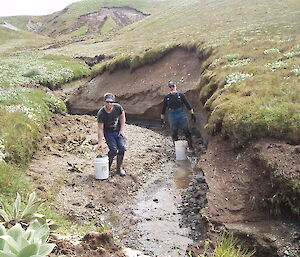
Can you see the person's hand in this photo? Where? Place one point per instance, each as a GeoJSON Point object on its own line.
{"type": "Point", "coordinates": [100, 147]}
{"type": "Point", "coordinates": [121, 133]}
{"type": "Point", "coordinates": [162, 123]}
{"type": "Point", "coordinates": [193, 117]}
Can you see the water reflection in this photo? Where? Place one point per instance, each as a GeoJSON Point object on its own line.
{"type": "Point", "coordinates": [182, 174]}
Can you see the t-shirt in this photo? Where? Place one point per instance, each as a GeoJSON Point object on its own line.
{"type": "Point", "coordinates": [175, 101]}
{"type": "Point", "coordinates": [111, 120]}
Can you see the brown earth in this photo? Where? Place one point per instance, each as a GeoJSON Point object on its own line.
{"type": "Point", "coordinates": [240, 179]}
{"type": "Point", "coordinates": [122, 16]}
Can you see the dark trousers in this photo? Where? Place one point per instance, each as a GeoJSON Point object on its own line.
{"type": "Point", "coordinates": [178, 121]}
{"type": "Point", "coordinates": [116, 143]}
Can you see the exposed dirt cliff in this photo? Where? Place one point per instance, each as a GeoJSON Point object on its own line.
{"type": "Point", "coordinates": [140, 92]}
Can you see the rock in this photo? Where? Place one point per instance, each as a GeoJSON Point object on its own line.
{"type": "Point", "coordinates": [90, 205]}
{"type": "Point", "coordinates": [93, 142]}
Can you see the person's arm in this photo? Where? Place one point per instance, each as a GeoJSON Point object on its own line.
{"type": "Point", "coordinates": [100, 136]}
{"type": "Point", "coordinates": [122, 124]}
{"type": "Point", "coordinates": [163, 111]}
{"type": "Point", "coordinates": [189, 107]}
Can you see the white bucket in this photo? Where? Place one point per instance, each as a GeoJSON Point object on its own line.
{"type": "Point", "coordinates": [101, 167]}
{"type": "Point", "coordinates": [181, 150]}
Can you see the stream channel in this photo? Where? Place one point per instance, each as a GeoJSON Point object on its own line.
{"type": "Point", "coordinates": [166, 211]}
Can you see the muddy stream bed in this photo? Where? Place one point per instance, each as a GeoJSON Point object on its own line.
{"type": "Point", "coordinates": [166, 212]}
{"type": "Point", "coordinates": [154, 209]}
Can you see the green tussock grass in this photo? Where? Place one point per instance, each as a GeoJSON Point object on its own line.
{"type": "Point", "coordinates": [252, 99]}
{"type": "Point", "coordinates": [12, 180]}
{"type": "Point", "coordinates": [24, 113]}
{"type": "Point", "coordinates": [131, 62]}
{"type": "Point", "coordinates": [226, 246]}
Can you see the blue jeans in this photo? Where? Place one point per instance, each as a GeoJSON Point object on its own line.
{"type": "Point", "coordinates": [116, 143]}
{"type": "Point", "coordinates": [177, 118]}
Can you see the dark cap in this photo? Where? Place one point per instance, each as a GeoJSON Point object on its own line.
{"type": "Point", "coordinates": [109, 97]}
{"type": "Point", "coordinates": [171, 84]}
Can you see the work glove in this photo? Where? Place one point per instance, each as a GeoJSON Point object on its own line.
{"type": "Point", "coordinates": [162, 123]}
{"type": "Point", "coordinates": [193, 118]}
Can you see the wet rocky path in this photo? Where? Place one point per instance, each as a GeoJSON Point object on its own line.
{"type": "Point", "coordinates": [166, 211]}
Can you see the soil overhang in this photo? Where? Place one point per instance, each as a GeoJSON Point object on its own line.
{"type": "Point", "coordinates": [141, 92]}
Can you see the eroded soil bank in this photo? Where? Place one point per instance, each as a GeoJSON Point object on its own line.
{"type": "Point", "coordinates": [239, 182]}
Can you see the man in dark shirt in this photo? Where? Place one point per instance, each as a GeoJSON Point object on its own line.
{"type": "Point", "coordinates": [111, 124]}
{"type": "Point", "coordinates": [174, 102]}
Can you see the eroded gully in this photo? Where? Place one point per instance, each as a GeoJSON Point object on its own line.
{"type": "Point", "coordinates": [165, 213]}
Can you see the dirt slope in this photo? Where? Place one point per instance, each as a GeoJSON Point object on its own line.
{"type": "Point", "coordinates": [140, 92]}
{"type": "Point", "coordinates": [238, 180]}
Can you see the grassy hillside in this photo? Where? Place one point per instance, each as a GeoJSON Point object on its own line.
{"type": "Point", "coordinates": [11, 39]}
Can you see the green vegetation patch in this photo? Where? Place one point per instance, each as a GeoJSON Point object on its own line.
{"type": "Point", "coordinates": [286, 198]}
{"type": "Point", "coordinates": [12, 180]}
{"type": "Point", "coordinates": [251, 90]}
{"type": "Point", "coordinates": [227, 246]}
{"type": "Point", "coordinates": [81, 31]}
{"type": "Point", "coordinates": [108, 25]}
{"type": "Point", "coordinates": [50, 71]}
{"type": "Point", "coordinates": [24, 113]}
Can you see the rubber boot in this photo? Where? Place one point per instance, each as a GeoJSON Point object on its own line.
{"type": "Point", "coordinates": [119, 165]}
{"type": "Point", "coordinates": [174, 135]}
{"type": "Point", "coordinates": [190, 144]}
{"type": "Point", "coordinates": [188, 136]}
{"type": "Point", "coordinates": [110, 161]}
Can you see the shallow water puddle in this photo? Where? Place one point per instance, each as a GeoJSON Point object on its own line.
{"type": "Point", "coordinates": [158, 226]}
{"type": "Point", "coordinates": [182, 174]}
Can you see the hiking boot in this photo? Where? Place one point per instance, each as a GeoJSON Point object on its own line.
{"type": "Point", "coordinates": [122, 172]}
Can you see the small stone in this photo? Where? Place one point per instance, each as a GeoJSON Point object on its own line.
{"type": "Point", "coordinates": [90, 205]}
